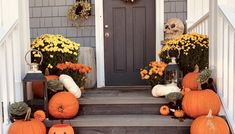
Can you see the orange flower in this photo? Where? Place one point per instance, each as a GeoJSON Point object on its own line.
{"type": "Point", "coordinates": [146, 77]}
{"type": "Point", "coordinates": [75, 67]}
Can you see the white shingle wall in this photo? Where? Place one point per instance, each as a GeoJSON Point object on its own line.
{"type": "Point", "coordinates": [50, 16]}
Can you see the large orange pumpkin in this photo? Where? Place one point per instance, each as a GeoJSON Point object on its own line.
{"type": "Point", "coordinates": [61, 129]}
{"type": "Point", "coordinates": [198, 103]}
{"type": "Point", "coordinates": [209, 125]}
{"type": "Point", "coordinates": [63, 105]}
{"type": "Point", "coordinates": [37, 87]}
{"type": "Point", "coordinates": [190, 80]}
{"type": "Point", "coordinates": [27, 126]}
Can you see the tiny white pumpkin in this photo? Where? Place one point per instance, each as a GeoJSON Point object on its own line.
{"type": "Point", "coordinates": [70, 85]}
{"type": "Point", "coordinates": [162, 90]}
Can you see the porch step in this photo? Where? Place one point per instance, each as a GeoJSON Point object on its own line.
{"type": "Point", "coordinates": [120, 101]}
{"type": "Point", "coordinates": [120, 105]}
{"type": "Point", "coordinates": [127, 124]}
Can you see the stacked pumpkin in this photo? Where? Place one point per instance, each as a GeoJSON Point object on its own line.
{"type": "Point", "coordinates": [203, 106]}
{"type": "Point", "coordinates": [63, 105]}
{"type": "Point", "coordinates": [29, 125]}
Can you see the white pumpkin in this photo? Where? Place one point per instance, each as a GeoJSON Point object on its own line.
{"type": "Point", "coordinates": [162, 90]}
{"type": "Point", "coordinates": [70, 85]}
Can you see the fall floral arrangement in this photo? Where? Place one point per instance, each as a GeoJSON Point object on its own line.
{"type": "Point", "coordinates": [76, 71]}
{"type": "Point", "coordinates": [79, 10]}
{"type": "Point", "coordinates": [153, 74]}
{"type": "Point", "coordinates": [55, 49]}
{"type": "Point", "coordinates": [192, 49]}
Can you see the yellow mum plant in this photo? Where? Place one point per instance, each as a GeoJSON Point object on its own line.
{"type": "Point", "coordinates": [55, 49]}
{"type": "Point", "coordinates": [191, 49]}
{"type": "Point", "coordinates": [154, 73]}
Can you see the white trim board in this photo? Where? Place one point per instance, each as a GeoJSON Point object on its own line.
{"type": "Point", "coordinates": [99, 23]}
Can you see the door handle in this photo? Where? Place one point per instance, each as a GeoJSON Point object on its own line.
{"type": "Point", "coordinates": [106, 35]}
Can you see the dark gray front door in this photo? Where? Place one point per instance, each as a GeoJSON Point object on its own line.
{"type": "Point", "coordinates": [129, 40]}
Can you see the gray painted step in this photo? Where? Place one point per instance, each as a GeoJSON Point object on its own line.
{"type": "Point", "coordinates": [127, 124]}
{"type": "Point", "coordinates": [120, 105]}
{"type": "Point", "coordinates": [120, 101]}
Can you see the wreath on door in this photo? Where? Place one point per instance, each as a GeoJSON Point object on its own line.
{"type": "Point", "coordinates": [79, 11]}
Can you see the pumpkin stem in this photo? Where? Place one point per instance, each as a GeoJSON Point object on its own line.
{"type": "Point", "coordinates": [47, 72]}
{"type": "Point", "coordinates": [209, 114]}
{"type": "Point", "coordinates": [61, 121]}
{"type": "Point", "coordinates": [27, 116]}
{"type": "Point", "coordinates": [199, 86]}
{"type": "Point", "coordinates": [196, 69]}
{"type": "Point", "coordinates": [60, 109]}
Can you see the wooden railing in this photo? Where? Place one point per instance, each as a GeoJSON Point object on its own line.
{"type": "Point", "coordinates": [201, 26]}
{"type": "Point", "coordinates": [219, 24]}
{"type": "Point", "coordinates": [224, 61]}
{"type": "Point", "coordinates": [8, 71]}
{"type": "Point", "coordinates": [14, 39]}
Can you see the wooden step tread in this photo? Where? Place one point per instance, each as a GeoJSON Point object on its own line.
{"type": "Point", "coordinates": [113, 93]}
{"type": "Point", "coordinates": [124, 121]}
{"type": "Point", "coordinates": [122, 100]}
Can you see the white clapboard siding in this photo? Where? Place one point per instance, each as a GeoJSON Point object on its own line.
{"type": "Point", "coordinates": [196, 9]}
{"type": "Point", "coordinates": [219, 24]}
{"type": "Point", "coordinates": [14, 41]}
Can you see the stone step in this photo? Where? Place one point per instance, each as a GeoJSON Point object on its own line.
{"type": "Point", "coordinates": [120, 105]}
{"type": "Point", "coordinates": [127, 124]}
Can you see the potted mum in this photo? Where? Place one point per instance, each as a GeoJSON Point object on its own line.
{"type": "Point", "coordinates": [76, 71]}
{"type": "Point", "coordinates": [55, 49]}
{"type": "Point", "coordinates": [191, 49]}
{"type": "Point", "coordinates": [153, 74]}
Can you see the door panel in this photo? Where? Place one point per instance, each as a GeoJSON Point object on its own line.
{"type": "Point", "coordinates": [129, 40]}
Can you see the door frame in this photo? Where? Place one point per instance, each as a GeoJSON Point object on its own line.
{"type": "Point", "coordinates": [99, 32]}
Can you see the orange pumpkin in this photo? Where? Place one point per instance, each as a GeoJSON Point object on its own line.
{"type": "Point", "coordinates": [198, 103]}
{"type": "Point", "coordinates": [63, 105]}
{"type": "Point", "coordinates": [61, 129]}
{"type": "Point", "coordinates": [27, 126]}
{"type": "Point", "coordinates": [190, 81]}
{"type": "Point", "coordinates": [39, 115]}
{"type": "Point", "coordinates": [179, 113]}
{"type": "Point", "coordinates": [209, 125]}
{"type": "Point", "coordinates": [37, 87]}
{"type": "Point", "coordinates": [164, 110]}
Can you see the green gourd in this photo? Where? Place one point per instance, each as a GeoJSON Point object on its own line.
{"type": "Point", "coordinates": [18, 108]}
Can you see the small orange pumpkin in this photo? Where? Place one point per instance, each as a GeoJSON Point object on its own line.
{"type": "Point", "coordinates": [198, 103]}
{"type": "Point", "coordinates": [27, 126]}
{"type": "Point", "coordinates": [164, 110]}
{"type": "Point", "coordinates": [39, 115]}
{"type": "Point", "coordinates": [179, 113]}
{"type": "Point", "coordinates": [63, 105]}
{"type": "Point", "coordinates": [209, 125]}
{"type": "Point", "coordinates": [190, 79]}
{"type": "Point", "coordinates": [61, 129]}
{"type": "Point", "coordinates": [38, 87]}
